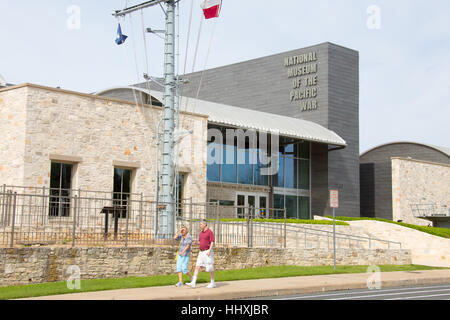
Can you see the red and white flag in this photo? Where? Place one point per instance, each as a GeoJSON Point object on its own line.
{"type": "Point", "coordinates": [211, 8]}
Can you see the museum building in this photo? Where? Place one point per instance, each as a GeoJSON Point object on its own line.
{"type": "Point", "coordinates": [305, 102]}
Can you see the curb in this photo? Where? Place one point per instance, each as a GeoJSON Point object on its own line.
{"type": "Point", "coordinates": [250, 289]}
{"type": "Point", "coordinates": [312, 289]}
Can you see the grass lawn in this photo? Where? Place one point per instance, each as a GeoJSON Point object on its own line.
{"type": "Point", "coordinates": [55, 288]}
{"type": "Point", "coordinates": [440, 232]}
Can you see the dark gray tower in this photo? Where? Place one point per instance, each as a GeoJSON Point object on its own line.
{"type": "Point", "coordinates": [318, 84]}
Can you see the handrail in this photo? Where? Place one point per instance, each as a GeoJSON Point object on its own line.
{"type": "Point", "coordinates": [270, 225]}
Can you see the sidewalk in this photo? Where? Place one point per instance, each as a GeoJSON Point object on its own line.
{"type": "Point", "coordinates": [266, 287]}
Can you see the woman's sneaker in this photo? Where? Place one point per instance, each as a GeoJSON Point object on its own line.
{"type": "Point", "coordinates": [190, 284]}
{"type": "Point", "coordinates": [211, 285]}
{"type": "Point", "coordinates": [179, 284]}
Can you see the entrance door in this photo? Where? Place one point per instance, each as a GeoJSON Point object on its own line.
{"type": "Point", "coordinates": [252, 200]}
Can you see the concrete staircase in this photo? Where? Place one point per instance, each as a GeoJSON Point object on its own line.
{"type": "Point", "coordinates": [426, 249]}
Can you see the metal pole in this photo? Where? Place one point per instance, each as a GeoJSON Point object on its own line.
{"type": "Point", "coordinates": [248, 228]}
{"type": "Point", "coordinates": [190, 214]}
{"type": "Point", "coordinates": [3, 220]}
{"type": "Point", "coordinates": [218, 231]}
{"type": "Point", "coordinates": [126, 227]}
{"type": "Point", "coordinates": [285, 231]}
{"type": "Point", "coordinates": [121, 13]}
{"type": "Point", "coordinates": [13, 220]}
{"type": "Point", "coordinates": [166, 218]}
{"type": "Point", "coordinates": [334, 238]}
{"type": "Point", "coordinates": [155, 220]}
{"type": "Point", "coordinates": [74, 220]}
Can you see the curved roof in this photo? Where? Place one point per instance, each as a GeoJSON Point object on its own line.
{"type": "Point", "coordinates": [443, 150]}
{"type": "Point", "coordinates": [226, 115]}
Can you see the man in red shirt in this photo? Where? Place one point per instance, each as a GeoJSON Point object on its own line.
{"type": "Point", "coordinates": [206, 255]}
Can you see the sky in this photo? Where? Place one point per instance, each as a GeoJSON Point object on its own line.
{"type": "Point", "coordinates": [404, 48]}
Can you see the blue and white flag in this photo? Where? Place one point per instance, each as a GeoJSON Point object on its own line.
{"type": "Point", "coordinates": [120, 37]}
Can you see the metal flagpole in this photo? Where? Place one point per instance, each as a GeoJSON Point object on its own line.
{"type": "Point", "coordinates": [166, 216]}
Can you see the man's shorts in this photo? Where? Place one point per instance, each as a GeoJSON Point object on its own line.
{"type": "Point", "coordinates": [203, 260]}
{"type": "Point", "coordinates": [182, 264]}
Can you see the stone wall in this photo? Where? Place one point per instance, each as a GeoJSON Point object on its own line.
{"type": "Point", "coordinates": [95, 134]}
{"type": "Point", "coordinates": [37, 265]}
{"type": "Point", "coordinates": [418, 182]}
{"type": "Point", "coordinates": [12, 126]}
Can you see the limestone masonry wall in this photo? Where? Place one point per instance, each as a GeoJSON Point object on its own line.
{"type": "Point", "coordinates": [418, 182]}
{"type": "Point", "coordinates": [95, 134]}
{"type": "Point", "coordinates": [38, 264]}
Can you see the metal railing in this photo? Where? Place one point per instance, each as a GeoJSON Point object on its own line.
{"type": "Point", "coordinates": [42, 216]}
{"type": "Point", "coordinates": [312, 238]}
{"type": "Point", "coordinates": [430, 210]}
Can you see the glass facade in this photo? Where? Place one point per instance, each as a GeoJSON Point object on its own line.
{"type": "Point", "coordinates": [231, 164]}
{"type": "Point", "coordinates": [236, 165]}
{"type": "Point", "coordinates": [213, 172]}
{"type": "Point", "coordinates": [296, 207]}
{"type": "Point", "coordinates": [293, 167]}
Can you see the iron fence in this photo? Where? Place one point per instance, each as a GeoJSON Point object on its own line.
{"type": "Point", "coordinates": [42, 216]}
{"type": "Point", "coordinates": [430, 210]}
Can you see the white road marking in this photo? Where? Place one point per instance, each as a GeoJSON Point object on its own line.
{"type": "Point", "coordinates": [416, 297]}
{"type": "Point", "coordinates": [390, 294]}
{"type": "Point", "coordinates": [369, 291]}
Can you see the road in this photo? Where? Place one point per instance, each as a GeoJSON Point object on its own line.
{"type": "Point", "coordinates": [436, 292]}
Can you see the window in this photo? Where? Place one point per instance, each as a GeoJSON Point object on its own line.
{"type": "Point", "coordinates": [293, 172]}
{"type": "Point", "coordinates": [278, 179]}
{"type": "Point", "coordinates": [224, 203]}
{"type": "Point", "coordinates": [245, 167]}
{"type": "Point", "coordinates": [214, 162]}
{"type": "Point", "coordinates": [278, 203]}
{"type": "Point", "coordinates": [180, 194]}
{"type": "Point", "coordinates": [291, 207]}
{"type": "Point", "coordinates": [303, 166]}
{"type": "Point", "coordinates": [303, 150]}
{"type": "Point", "coordinates": [122, 190]}
{"type": "Point", "coordinates": [260, 180]}
{"type": "Point", "coordinates": [229, 167]}
{"type": "Point", "coordinates": [290, 173]}
{"type": "Point", "coordinates": [60, 185]}
{"type": "Point", "coordinates": [240, 203]}
{"type": "Point", "coordinates": [296, 207]}
{"type": "Point", "coordinates": [304, 208]}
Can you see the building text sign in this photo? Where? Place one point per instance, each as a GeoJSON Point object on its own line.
{"type": "Point", "coordinates": [302, 70]}
{"type": "Point", "coordinates": [334, 199]}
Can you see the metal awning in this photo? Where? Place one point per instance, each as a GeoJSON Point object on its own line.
{"type": "Point", "coordinates": [225, 115]}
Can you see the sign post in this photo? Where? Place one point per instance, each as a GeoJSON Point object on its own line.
{"type": "Point", "coordinates": [334, 203]}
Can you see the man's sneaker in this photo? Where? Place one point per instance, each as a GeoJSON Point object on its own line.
{"type": "Point", "coordinates": [211, 285]}
{"type": "Point", "coordinates": [190, 284]}
{"type": "Point", "coordinates": [179, 284]}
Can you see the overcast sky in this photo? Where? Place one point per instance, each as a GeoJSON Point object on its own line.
{"type": "Point", "coordinates": [404, 48]}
